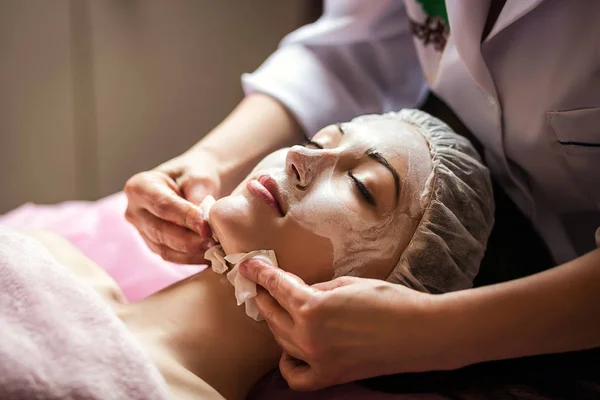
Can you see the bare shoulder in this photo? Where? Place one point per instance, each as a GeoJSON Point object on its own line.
{"type": "Point", "coordinates": [84, 268]}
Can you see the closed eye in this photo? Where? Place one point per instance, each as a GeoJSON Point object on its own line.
{"type": "Point", "coordinates": [311, 143]}
{"type": "Point", "coordinates": [362, 189]}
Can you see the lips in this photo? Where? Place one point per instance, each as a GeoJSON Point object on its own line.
{"type": "Point", "coordinates": [267, 189]}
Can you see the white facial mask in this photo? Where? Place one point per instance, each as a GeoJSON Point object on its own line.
{"type": "Point", "coordinates": [321, 208]}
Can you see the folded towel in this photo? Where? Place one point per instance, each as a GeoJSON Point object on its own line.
{"type": "Point", "coordinates": [58, 339]}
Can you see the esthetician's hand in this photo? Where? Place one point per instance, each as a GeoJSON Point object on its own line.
{"type": "Point", "coordinates": [163, 206]}
{"type": "Point", "coordinates": [346, 329]}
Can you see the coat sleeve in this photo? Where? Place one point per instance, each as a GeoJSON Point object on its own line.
{"type": "Point", "coordinates": [358, 58]}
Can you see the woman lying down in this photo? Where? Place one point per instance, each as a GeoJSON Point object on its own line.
{"type": "Point", "coordinates": [397, 197]}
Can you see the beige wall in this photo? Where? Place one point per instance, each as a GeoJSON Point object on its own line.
{"type": "Point", "coordinates": [37, 159]}
{"type": "Point", "coordinates": [93, 91]}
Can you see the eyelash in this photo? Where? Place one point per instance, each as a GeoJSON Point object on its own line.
{"type": "Point", "coordinates": [359, 185]}
{"type": "Point", "coordinates": [311, 143]}
{"type": "Point", "coordinates": [362, 189]}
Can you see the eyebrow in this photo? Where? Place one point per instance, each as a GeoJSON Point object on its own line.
{"type": "Point", "coordinates": [372, 153]}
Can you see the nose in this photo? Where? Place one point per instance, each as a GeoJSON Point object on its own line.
{"type": "Point", "coordinates": [304, 164]}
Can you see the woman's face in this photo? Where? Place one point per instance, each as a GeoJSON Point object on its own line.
{"type": "Point", "coordinates": [346, 203]}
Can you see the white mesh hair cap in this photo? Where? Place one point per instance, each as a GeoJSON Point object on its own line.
{"type": "Point", "coordinates": [449, 242]}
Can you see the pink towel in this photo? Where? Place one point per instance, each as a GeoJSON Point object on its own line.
{"type": "Point", "coordinates": [100, 231]}
{"type": "Point", "coordinates": [58, 339]}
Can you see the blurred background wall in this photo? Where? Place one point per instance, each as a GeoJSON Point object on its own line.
{"type": "Point", "coordinates": [92, 92]}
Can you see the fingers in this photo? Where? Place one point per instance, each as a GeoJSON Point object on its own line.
{"type": "Point", "coordinates": [289, 290]}
{"type": "Point", "coordinates": [289, 348]}
{"type": "Point", "coordinates": [168, 254]}
{"type": "Point", "coordinates": [169, 206]}
{"type": "Point", "coordinates": [277, 317]}
{"type": "Point", "coordinates": [298, 374]}
{"type": "Point", "coordinates": [155, 192]}
{"type": "Point", "coordinates": [173, 236]}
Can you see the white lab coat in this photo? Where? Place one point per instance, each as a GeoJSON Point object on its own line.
{"type": "Point", "coordinates": [530, 92]}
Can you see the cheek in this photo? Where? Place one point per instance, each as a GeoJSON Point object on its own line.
{"type": "Point", "coordinates": [304, 253]}
{"type": "Point", "coordinates": [240, 228]}
{"type": "Point", "coordinates": [348, 202]}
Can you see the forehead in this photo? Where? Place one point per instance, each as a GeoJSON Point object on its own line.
{"type": "Point", "coordinates": [387, 135]}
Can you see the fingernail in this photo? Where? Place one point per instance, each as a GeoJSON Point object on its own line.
{"type": "Point", "coordinates": [244, 269]}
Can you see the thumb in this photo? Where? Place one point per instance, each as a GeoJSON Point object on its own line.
{"type": "Point", "coordinates": [336, 283]}
{"type": "Point", "coordinates": [298, 374]}
{"type": "Point", "coordinates": [196, 186]}
{"type": "Point", "coordinates": [194, 192]}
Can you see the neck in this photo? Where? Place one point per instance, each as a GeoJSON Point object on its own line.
{"type": "Point", "coordinates": [199, 324]}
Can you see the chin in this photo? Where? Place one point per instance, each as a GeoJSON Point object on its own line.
{"type": "Point", "coordinates": [235, 224]}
